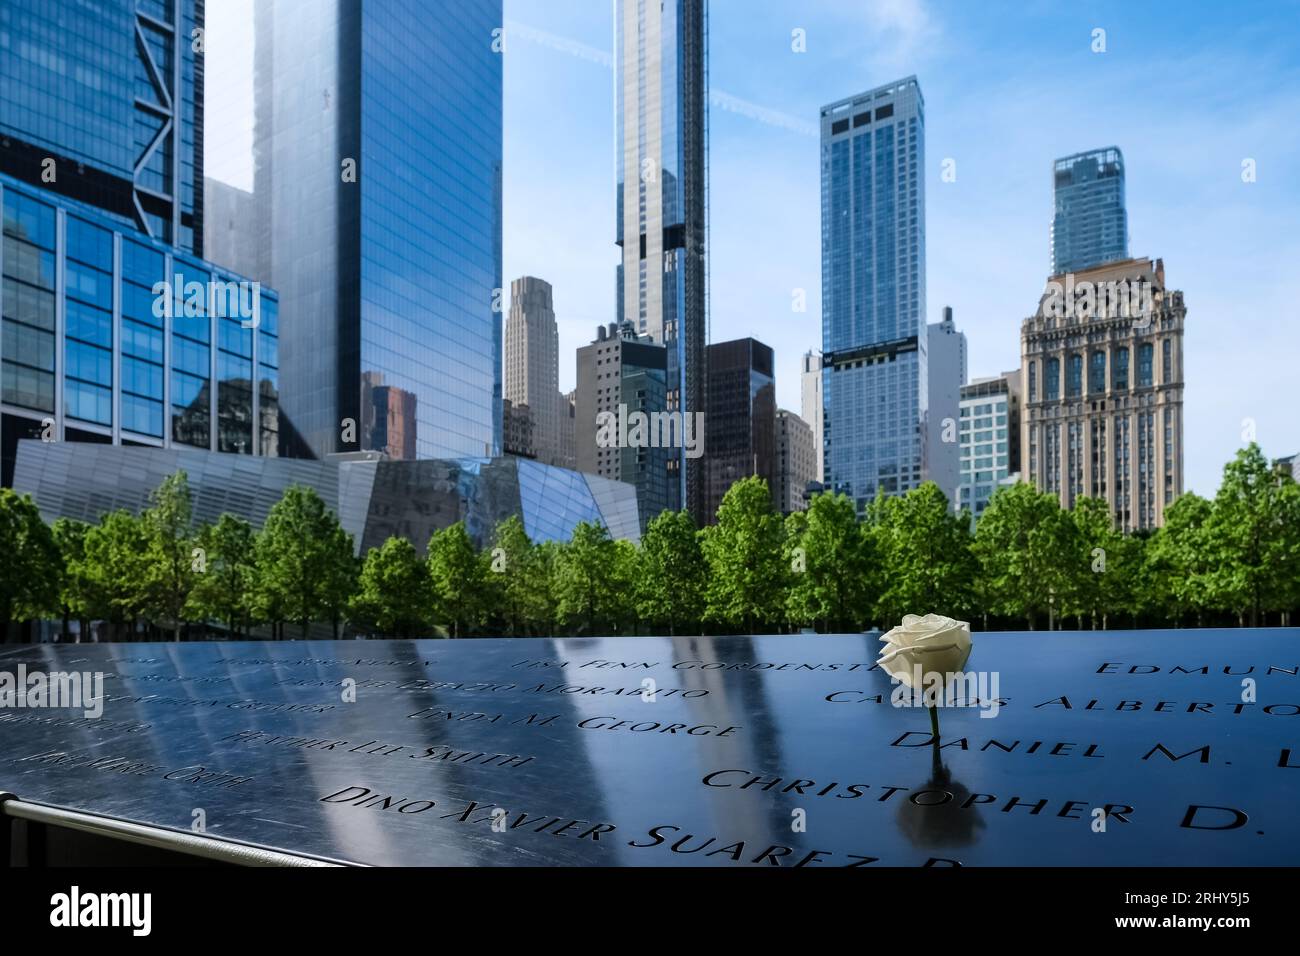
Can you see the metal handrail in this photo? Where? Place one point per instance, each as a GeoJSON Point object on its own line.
{"type": "Point", "coordinates": [191, 844]}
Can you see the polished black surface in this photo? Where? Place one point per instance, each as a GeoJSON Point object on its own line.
{"type": "Point", "coordinates": [508, 752]}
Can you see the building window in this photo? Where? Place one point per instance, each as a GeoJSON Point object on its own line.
{"type": "Point", "coordinates": [1097, 372]}
{"type": "Point", "coordinates": [1146, 352]}
{"type": "Point", "coordinates": [1074, 378]}
{"type": "Point", "coordinates": [1053, 383]}
{"type": "Point", "coordinates": [1033, 380]}
{"type": "Point", "coordinates": [1121, 369]}
{"type": "Point", "coordinates": [1167, 361]}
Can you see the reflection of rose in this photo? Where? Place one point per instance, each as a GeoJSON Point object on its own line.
{"type": "Point", "coordinates": [934, 643]}
{"type": "Point", "coordinates": [940, 824]}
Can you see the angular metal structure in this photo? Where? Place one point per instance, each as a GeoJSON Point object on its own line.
{"type": "Point", "coordinates": [374, 498]}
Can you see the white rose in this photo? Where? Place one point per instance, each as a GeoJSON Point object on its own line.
{"type": "Point", "coordinates": [935, 643]}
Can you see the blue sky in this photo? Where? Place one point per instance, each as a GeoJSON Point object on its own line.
{"type": "Point", "coordinates": [1188, 90]}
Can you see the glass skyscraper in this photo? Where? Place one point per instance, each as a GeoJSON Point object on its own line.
{"type": "Point", "coordinates": [874, 341]}
{"type": "Point", "coordinates": [661, 92]}
{"type": "Point", "coordinates": [1090, 225]}
{"type": "Point", "coordinates": [102, 103]}
{"type": "Point", "coordinates": [740, 430]}
{"type": "Point", "coordinates": [370, 186]}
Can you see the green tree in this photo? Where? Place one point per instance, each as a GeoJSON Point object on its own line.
{"type": "Point", "coordinates": [1023, 542]}
{"type": "Point", "coordinates": [1179, 562]}
{"type": "Point", "coordinates": [520, 574]}
{"type": "Point", "coordinates": [460, 578]}
{"type": "Point", "coordinates": [1287, 597]}
{"type": "Point", "coordinates": [1248, 534]}
{"type": "Point", "coordinates": [829, 554]}
{"type": "Point", "coordinates": [70, 537]}
{"type": "Point", "coordinates": [544, 608]}
{"type": "Point", "coordinates": [586, 578]}
{"type": "Point", "coordinates": [224, 589]}
{"type": "Point", "coordinates": [31, 568]}
{"type": "Point", "coordinates": [115, 570]}
{"type": "Point", "coordinates": [338, 577]}
{"type": "Point", "coordinates": [305, 564]}
{"type": "Point", "coordinates": [623, 615]}
{"type": "Point", "coordinates": [171, 558]}
{"type": "Point", "coordinates": [746, 559]}
{"type": "Point", "coordinates": [1104, 575]}
{"type": "Point", "coordinates": [672, 577]}
{"type": "Point", "coordinates": [395, 593]}
{"type": "Point", "coordinates": [925, 550]}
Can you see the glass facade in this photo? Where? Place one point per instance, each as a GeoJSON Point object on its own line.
{"type": "Point", "coordinates": [381, 213]}
{"type": "Point", "coordinates": [740, 427]}
{"type": "Point", "coordinates": [661, 117]}
{"type": "Point", "coordinates": [430, 247]}
{"type": "Point", "coordinates": [374, 500]}
{"type": "Point", "coordinates": [875, 375]}
{"type": "Point", "coordinates": [27, 301]}
{"type": "Point", "coordinates": [111, 336]}
{"type": "Point", "coordinates": [1090, 225]}
{"type": "Point", "coordinates": [114, 87]}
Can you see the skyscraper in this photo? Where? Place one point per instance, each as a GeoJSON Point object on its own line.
{"type": "Point", "coordinates": [374, 168]}
{"type": "Point", "coordinates": [796, 461]}
{"type": "Point", "coordinates": [103, 104]}
{"type": "Point", "coordinates": [532, 364]}
{"type": "Point", "coordinates": [811, 404]}
{"type": "Point", "coordinates": [1103, 406]}
{"type": "Point", "coordinates": [661, 92]}
{"type": "Point", "coordinates": [1090, 225]}
{"type": "Point", "coordinates": [621, 375]}
{"type": "Point", "coordinates": [874, 344]}
{"type": "Point", "coordinates": [740, 419]}
{"type": "Point", "coordinates": [946, 354]}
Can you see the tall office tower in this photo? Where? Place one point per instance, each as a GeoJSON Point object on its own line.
{"type": "Point", "coordinates": [946, 348]}
{"type": "Point", "coordinates": [621, 375]}
{"type": "Point", "coordinates": [532, 364]}
{"type": "Point", "coordinates": [372, 182]}
{"type": "Point", "coordinates": [796, 461]}
{"type": "Point", "coordinates": [990, 439]}
{"type": "Point", "coordinates": [568, 432]}
{"type": "Point", "coordinates": [102, 103]}
{"type": "Point", "coordinates": [1090, 225]}
{"type": "Point", "coordinates": [661, 91]}
{"type": "Point", "coordinates": [811, 403]}
{"type": "Point", "coordinates": [740, 419]}
{"type": "Point", "coordinates": [1102, 364]}
{"type": "Point", "coordinates": [874, 343]}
